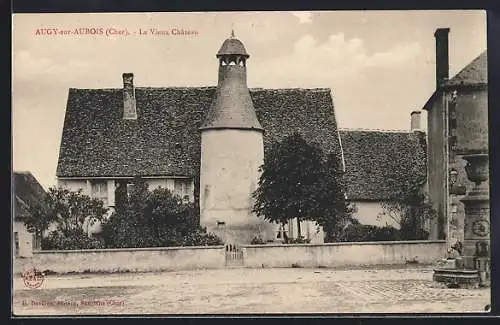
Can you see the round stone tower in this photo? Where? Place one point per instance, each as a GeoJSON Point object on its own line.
{"type": "Point", "coordinates": [232, 151]}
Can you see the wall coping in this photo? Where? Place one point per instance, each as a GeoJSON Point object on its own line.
{"type": "Point", "coordinates": [395, 242]}
{"type": "Point", "coordinates": [104, 250]}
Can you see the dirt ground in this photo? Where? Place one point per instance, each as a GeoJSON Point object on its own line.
{"type": "Point", "coordinates": [234, 291]}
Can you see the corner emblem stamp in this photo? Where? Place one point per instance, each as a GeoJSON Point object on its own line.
{"type": "Point", "coordinates": [33, 278]}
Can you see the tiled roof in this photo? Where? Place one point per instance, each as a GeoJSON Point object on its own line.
{"type": "Point", "coordinates": [27, 193]}
{"type": "Point", "coordinates": [375, 160]}
{"type": "Point", "coordinates": [475, 73]}
{"type": "Point", "coordinates": [165, 138]}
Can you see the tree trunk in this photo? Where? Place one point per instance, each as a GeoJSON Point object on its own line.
{"type": "Point", "coordinates": [298, 228]}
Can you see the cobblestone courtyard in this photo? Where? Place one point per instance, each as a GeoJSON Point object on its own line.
{"type": "Point", "coordinates": [233, 291]}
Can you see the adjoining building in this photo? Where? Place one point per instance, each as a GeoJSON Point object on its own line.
{"type": "Point", "coordinates": [457, 109]}
{"type": "Point", "coordinates": [27, 195]}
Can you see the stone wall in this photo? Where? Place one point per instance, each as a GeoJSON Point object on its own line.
{"type": "Point", "coordinates": [124, 260]}
{"type": "Point", "coordinates": [254, 256]}
{"type": "Point", "coordinates": [344, 254]}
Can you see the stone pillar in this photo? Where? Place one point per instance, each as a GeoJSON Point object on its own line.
{"type": "Point", "coordinates": [88, 188]}
{"type": "Point", "coordinates": [476, 251]}
{"type": "Point", "coordinates": [111, 192]}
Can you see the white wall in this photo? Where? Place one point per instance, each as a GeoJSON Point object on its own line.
{"type": "Point", "coordinates": [230, 161]}
{"type": "Point", "coordinates": [308, 229]}
{"type": "Point", "coordinates": [74, 184]}
{"type": "Point", "coordinates": [25, 240]}
{"type": "Point", "coordinates": [156, 183]}
{"type": "Point", "coordinates": [370, 213]}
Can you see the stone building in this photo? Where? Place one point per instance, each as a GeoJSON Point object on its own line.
{"type": "Point", "coordinates": [28, 193]}
{"type": "Point", "coordinates": [206, 144]}
{"type": "Point", "coordinates": [457, 109]}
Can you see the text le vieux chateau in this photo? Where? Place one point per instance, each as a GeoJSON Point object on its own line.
{"type": "Point", "coordinates": [111, 31]}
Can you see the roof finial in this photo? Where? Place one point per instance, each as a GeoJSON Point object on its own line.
{"type": "Point", "coordinates": [232, 30]}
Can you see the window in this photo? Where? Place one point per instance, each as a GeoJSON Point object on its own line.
{"type": "Point", "coordinates": [99, 187]}
{"type": "Point", "coordinates": [16, 243]}
{"type": "Point", "coordinates": [100, 191]}
{"type": "Point", "coordinates": [182, 188]}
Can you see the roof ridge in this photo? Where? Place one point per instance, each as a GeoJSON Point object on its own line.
{"type": "Point", "coordinates": [205, 88]}
{"type": "Point", "coordinates": [291, 88]}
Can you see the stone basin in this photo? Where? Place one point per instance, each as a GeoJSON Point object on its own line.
{"type": "Point", "coordinates": [454, 277]}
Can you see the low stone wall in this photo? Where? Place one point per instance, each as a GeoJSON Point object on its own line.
{"type": "Point", "coordinates": [345, 254]}
{"type": "Point", "coordinates": [254, 256]}
{"type": "Point", "coordinates": [125, 260]}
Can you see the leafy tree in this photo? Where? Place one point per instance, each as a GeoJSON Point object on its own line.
{"type": "Point", "coordinates": [154, 219]}
{"type": "Point", "coordinates": [297, 181]}
{"type": "Point", "coordinates": [63, 209]}
{"type": "Point", "coordinates": [334, 211]}
{"type": "Point", "coordinates": [66, 211]}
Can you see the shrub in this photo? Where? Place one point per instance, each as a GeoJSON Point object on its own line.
{"type": "Point", "coordinates": [201, 238]}
{"type": "Point", "coordinates": [155, 219]}
{"type": "Point", "coordinates": [299, 240]}
{"type": "Point", "coordinates": [257, 241]}
{"type": "Point", "coordinates": [363, 233]}
{"type": "Point", "coordinates": [70, 239]}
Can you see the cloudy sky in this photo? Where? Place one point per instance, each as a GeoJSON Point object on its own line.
{"type": "Point", "coordinates": [379, 65]}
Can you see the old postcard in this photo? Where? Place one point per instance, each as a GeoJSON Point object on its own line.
{"type": "Point", "coordinates": [250, 162]}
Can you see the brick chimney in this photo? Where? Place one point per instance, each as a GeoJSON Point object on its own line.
{"type": "Point", "coordinates": [415, 121]}
{"type": "Point", "coordinates": [129, 107]}
{"type": "Point", "coordinates": [442, 58]}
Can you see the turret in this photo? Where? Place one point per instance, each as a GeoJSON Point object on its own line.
{"type": "Point", "coordinates": [232, 107]}
{"type": "Point", "coordinates": [232, 151]}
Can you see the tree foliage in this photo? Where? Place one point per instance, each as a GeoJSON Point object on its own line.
{"type": "Point", "coordinates": [298, 181]}
{"type": "Point", "coordinates": [64, 210]}
{"type": "Point", "coordinates": [154, 219]}
{"type": "Point", "coordinates": [69, 239]}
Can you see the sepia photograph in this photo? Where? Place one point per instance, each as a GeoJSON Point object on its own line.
{"type": "Point", "coordinates": [225, 163]}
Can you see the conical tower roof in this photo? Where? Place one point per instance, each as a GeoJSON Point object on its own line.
{"type": "Point", "coordinates": [232, 106]}
{"type": "Point", "coordinates": [232, 46]}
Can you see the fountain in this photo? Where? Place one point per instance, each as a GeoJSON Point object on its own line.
{"type": "Point", "coordinates": [472, 267]}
